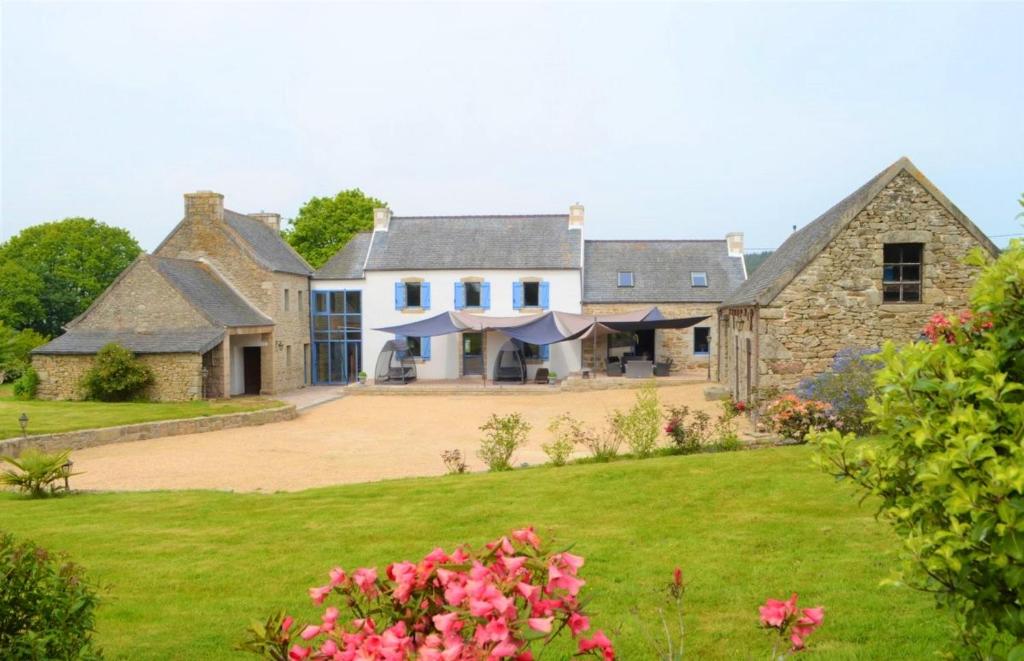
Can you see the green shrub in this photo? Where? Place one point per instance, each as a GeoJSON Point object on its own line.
{"type": "Point", "coordinates": [504, 435]}
{"type": "Point", "coordinates": [27, 384]}
{"type": "Point", "coordinates": [16, 351]}
{"type": "Point", "coordinates": [568, 432]}
{"type": "Point", "coordinates": [688, 436]}
{"type": "Point", "coordinates": [642, 424]}
{"type": "Point", "coordinates": [846, 388]}
{"type": "Point", "coordinates": [38, 474]}
{"type": "Point", "coordinates": [116, 376]}
{"type": "Point", "coordinates": [46, 606]}
{"type": "Point", "coordinates": [948, 471]}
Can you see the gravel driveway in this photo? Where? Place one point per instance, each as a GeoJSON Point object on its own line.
{"type": "Point", "coordinates": [354, 439]}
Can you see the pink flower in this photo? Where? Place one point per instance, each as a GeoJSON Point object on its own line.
{"type": "Point", "coordinates": [310, 632]}
{"type": "Point", "coordinates": [677, 577]}
{"type": "Point", "coordinates": [527, 536]}
{"type": "Point", "coordinates": [542, 624]}
{"type": "Point", "coordinates": [298, 652]}
{"type": "Point", "coordinates": [319, 594]}
{"type": "Point", "coordinates": [447, 623]}
{"type": "Point", "coordinates": [504, 649]}
{"type": "Point", "coordinates": [578, 623]}
{"type": "Point", "coordinates": [600, 642]}
{"type": "Point", "coordinates": [286, 623]}
{"type": "Point", "coordinates": [337, 576]}
{"type": "Point", "coordinates": [366, 579]}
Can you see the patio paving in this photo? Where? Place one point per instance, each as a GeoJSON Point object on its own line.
{"type": "Point", "coordinates": [352, 439]}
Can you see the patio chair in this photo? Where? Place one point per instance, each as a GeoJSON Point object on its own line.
{"type": "Point", "coordinates": [663, 368]}
{"type": "Point", "coordinates": [614, 368]}
{"type": "Point", "coordinates": [639, 369]}
{"type": "Point", "coordinates": [542, 375]}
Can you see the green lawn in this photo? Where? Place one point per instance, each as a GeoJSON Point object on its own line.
{"type": "Point", "coordinates": [48, 416]}
{"type": "Point", "coordinates": [184, 572]}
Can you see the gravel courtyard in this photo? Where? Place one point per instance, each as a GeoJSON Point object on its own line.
{"type": "Point", "coordinates": [354, 439]}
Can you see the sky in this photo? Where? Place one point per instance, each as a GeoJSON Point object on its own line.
{"type": "Point", "coordinates": [665, 120]}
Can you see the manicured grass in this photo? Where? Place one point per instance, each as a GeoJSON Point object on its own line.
{"type": "Point", "coordinates": [185, 572]}
{"type": "Point", "coordinates": [47, 416]}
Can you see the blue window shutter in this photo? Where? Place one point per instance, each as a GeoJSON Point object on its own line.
{"type": "Point", "coordinates": [545, 351]}
{"type": "Point", "coordinates": [460, 295]}
{"type": "Point", "coordinates": [545, 295]}
{"type": "Point", "coordinates": [485, 296]}
{"type": "Point", "coordinates": [399, 295]}
{"type": "Point", "coordinates": [517, 295]}
{"type": "Point", "coordinates": [425, 295]}
{"type": "Point", "coordinates": [425, 348]}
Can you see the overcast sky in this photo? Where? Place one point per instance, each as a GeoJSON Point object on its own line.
{"type": "Point", "coordinates": [666, 121]}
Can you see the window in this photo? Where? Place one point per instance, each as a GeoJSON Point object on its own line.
{"type": "Point", "coordinates": [417, 347]}
{"type": "Point", "coordinates": [531, 295]}
{"type": "Point", "coordinates": [473, 291]}
{"type": "Point", "coordinates": [288, 356]}
{"type": "Point", "coordinates": [625, 278]}
{"type": "Point", "coordinates": [901, 272]}
{"type": "Point", "coordinates": [702, 341]}
{"type": "Point", "coordinates": [535, 351]}
{"type": "Point", "coordinates": [298, 299]}
{"type": "Point", "coordinates": [412, 294]}
{"type": "Point", "coordinates": [699, 278]}
{"type": "Point", "coordinates": [337, 336]}
{"type": "Point", "coordinates": [285, 300]}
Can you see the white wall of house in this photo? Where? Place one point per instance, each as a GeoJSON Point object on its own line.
{"type": "Point", "coordinates": [238, 361]}
{"type": "Point", "coordinates": [446, 350]}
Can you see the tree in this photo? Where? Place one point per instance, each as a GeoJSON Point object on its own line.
{"type": "Point", "coordinates": [72, 261]}
{"type": "Point", "coordinates": [325, 224]}
{"type": "Point", "coordinates": [21, 293]}
{"type": "Point", "coordinates": [755, 259]}
{"type": "Point", "coordinates": [16, 351]}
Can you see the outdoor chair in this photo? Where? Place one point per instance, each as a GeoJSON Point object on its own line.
{"type": "Point", "coordinates": [542, 375]}
{"type": "Point", "coordinates": [663, 368]}
{"type": "Point", "coordinates": [639, 369]}
{"type": "Point", "coordinates": [614, 368]}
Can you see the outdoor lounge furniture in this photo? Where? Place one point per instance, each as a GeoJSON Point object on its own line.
{"type": "Point", "coordinates": [663, 368]}
{"type": "Point", "coordinates": [614, 368]}
{"type": "Point", "coordinates": [510, 366]}
{"type": "Point", "coordinates": [541, 376]}
{"type": "Point", "coordinates": [394, 364]}
{"type": "Point", "coordinates": [639, 369]}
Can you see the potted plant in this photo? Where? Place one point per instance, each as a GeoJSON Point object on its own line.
{"type": "Point", "coordinates": [362, 378]}
{"type": "Point", "coordinates": [552, 377]}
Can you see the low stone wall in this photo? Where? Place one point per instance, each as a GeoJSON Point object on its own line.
{"type": "Point", "coordinates": [87, 438]}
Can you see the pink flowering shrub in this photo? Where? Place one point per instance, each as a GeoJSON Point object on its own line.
{"type": "Point", "coordinates": [954, 330]}
{"type": "Point", "coordinates": [792, 417]}
{"type": "Point", "coordinates": [783, 618]}
{"type": "Point", "coordinates": [495, 603]}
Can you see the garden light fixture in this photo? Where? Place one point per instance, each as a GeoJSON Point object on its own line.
{"type": "Point", "coordinates": [23, 421]}
{"type": "Point", "coordinates": [65, 470]}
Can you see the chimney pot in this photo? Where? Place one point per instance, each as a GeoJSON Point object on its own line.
{"type": "Point", "coordinates": [381, 219]}
{"type": "Point", "coordinates": [734, 244]}
{"type": "Point", "coordinates": [576, 216]}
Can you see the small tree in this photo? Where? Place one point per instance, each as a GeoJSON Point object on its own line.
{"type": "Point", "coordinates": [948, 470]}
{"type": "Point", "coordinates": [116, 376]}
{"type": "Point", "coordinates": [642, 424]}
{"type": "Point", "coordinates": [505, 435]}
{"type": "Point", "coordinates": [325, 224]}
{"type": "Point", "coordinates": [46, 608]}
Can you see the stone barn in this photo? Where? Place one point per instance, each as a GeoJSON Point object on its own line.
{"type": "Point", "coordinates": [872, 268]}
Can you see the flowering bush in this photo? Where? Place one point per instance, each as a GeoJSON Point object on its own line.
{"type": "Point", "coordinates": [783, 618]}
{"type": "Point", "coordinates": [505, 435]}
{"type": "Point", "coordinates": [792, 417]}
{"type": "Point", "coordinates": [946, 472]}
{"type": "Point", "coordinates": [846, 387]}
{"type": "Point", "coordinates": [498, 602]}
{"type": "Point", "coordinates": [688, 436]}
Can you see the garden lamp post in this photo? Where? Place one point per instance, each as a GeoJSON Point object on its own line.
{"type": "Point", "coordinates": [65, 470]}
{"type": "Point", "coordinates": [23, 421]}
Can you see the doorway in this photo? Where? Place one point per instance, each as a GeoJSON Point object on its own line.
{"type": "Point", "coordinates": [472, 354]}
{"type": "Point", "coordinates": [252, 369]}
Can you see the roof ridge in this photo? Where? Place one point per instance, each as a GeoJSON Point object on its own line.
{"type": "Point", "coordinates": [484, 215]}
{"type": "Point", "coordinates": [654, 241]}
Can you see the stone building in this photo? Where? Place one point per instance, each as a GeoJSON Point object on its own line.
{"type": "Point", "coordinates": [682, 278]}
{"type": "Point", "coordinates": [872, 268]}
{"type": "Point", "coordinates": [218, 309]}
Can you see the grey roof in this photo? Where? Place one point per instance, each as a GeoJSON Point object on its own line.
{"type": "Point", "coordinates": [476, 242]}
{"type": "Point", "coordinates": [90, 341]}
{"type": "Point", "coordinates": [201, 286]}
{"type": "Point", "coordinates": [347, 263]}
{"type": "Point", "coordinates": [802, 246]}
{"type": "Point", "coordinates": [267, 244]}
{"type": "Point", "coordinates": [661, 271]}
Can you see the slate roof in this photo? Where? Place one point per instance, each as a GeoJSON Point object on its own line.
{"type": "Point", "coordinates": [90, 341]}
{"type": "Point", "coordinates": [661, 271]}
{"type": "Point", "coordinates": [347, 263]}
{"type": "Point", "coordinates": [802, 246]}
{"type": "Point", "coordinates": [476, 242]}
{"type": "Point", "coordinates": [267, 244]}
{"type": "Point", "coordinates": [201, 286]}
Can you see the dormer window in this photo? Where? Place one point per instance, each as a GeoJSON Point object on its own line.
{"type": "Point", "coordinates": [625, 278]}
{"type": "Point", "coordinates": [699, 278]}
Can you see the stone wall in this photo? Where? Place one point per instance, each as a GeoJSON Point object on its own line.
{"type": "Point", "coordinates": [178, 375]}
{"type": "Point", "coordinates": [737, 356]}
{"type": "Point", "coordinates": [291, 329]}
{"type": "Point", "coordinates": [141, 300]}
{"type": "Point", "coordinates": [87, 438]}
{"type": "Point", "coordinates": [674, 343]}
{"type": "Point", "coordinates": [836, 301]}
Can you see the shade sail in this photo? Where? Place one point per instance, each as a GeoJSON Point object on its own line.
{"type": "Point", "coordinates": [547, 328]}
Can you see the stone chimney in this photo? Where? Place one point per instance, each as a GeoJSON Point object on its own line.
{"type": "Point", "coordinates": [576, 216]}
{"type": "Point", "coordinates": [381, 219]}
{"type": "Point", "coordinates": [734, 243]}
{"type": "Point", "coordinates": [271, 220]}
{"type": "Point", "coordinates": [205, 206]}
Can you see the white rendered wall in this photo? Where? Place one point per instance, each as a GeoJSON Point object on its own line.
{"type": "Point", "coordinates": [446, 350]}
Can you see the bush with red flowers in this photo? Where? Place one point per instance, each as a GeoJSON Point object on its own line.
{"type": "Point", "coordinates": [783, 618]}
{"type": "Point", "coordinates": [792, 417]}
